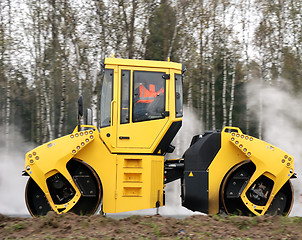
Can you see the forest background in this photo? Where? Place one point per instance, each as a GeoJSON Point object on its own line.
{"type": "Point", "coordinates": [243, 60]}
{"type": "Point", "coordinates": [51, 53]}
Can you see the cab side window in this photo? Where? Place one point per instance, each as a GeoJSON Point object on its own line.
{"type": "Point", "coordinates": [149, 89]}
{"type": "Point", "coordinates": [178, 95]}
{"type": "Point", "coordinates": [125, 96]}
{"type": "Point", "coordinates": [106, 98]}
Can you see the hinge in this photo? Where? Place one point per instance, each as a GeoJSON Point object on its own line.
{"type": "Point", "coordinates": [115, 194]}
{"type": "Point", "coordinates": [166, 76]}
{"type": "Point", "coordinates": [165, 114]}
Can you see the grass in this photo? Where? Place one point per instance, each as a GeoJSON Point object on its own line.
{"type": "Point", "coordinates": [154, 227]}
{"type": "Point", "coordinates": [15, 227]}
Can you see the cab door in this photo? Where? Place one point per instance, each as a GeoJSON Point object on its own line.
{"type": "Point", "coordinates": [144, 106]}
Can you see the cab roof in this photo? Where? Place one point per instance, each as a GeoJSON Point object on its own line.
{"type": "Point", "coordinates": [142, 63]}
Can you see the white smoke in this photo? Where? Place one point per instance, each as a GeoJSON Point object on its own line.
{"type": "Point", "coordinates": [12, 183]}
{"type": "Point", "coordinates": [191, 126]}
{"type": "Point", "coordinates": [281, 117]}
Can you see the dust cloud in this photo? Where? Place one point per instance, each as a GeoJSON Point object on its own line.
{"type": "Point", "coordinates": [12, 183]}
{"type": "Point", "coordinates": [280, 112]}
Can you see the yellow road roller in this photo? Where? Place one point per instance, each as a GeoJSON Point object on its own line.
{"type": "Point", "coordinates": [119, 165]}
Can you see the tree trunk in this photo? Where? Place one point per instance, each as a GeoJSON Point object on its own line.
{"type": "Point", "coordinates": [233, 76]}
{"type": "Point", "coordinates": [129, 27]}
{"type": "Point", "coordinates": [213, 99]}
{"type": "Point", "coordinates": [8, 78]}
{"type": "Point", "coordinates": [202, 23]}
{"type": "Point", "coordinates": [224, 88]}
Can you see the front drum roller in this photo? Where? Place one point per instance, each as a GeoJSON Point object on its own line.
{"type": "Point", "coordinates": [59, 188]}
{"type": "Point", "coordinates": [236, 180]}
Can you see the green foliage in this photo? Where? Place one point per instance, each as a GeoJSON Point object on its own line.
{"type": "Point", "coordinates": [162, 24]}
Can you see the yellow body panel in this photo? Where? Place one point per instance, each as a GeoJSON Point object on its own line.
{"type": "Point", "coordinates": [139, 182]}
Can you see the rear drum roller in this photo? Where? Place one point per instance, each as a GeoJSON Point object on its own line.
{"type": "Point", "coordinates": [235, 182]}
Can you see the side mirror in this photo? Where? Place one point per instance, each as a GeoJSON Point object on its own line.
{"type": "Point", "coordinates": [80, 112]}
{"type": "Point", "coordinates": [80, 106]}
{"type": "Point", "coordinates": [89, 117]}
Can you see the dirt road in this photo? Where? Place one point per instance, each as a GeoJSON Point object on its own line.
{"type": "Point", "coordinates": [70, 226]}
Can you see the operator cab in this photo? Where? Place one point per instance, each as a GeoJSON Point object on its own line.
{"type": "Point", "coordinates": [141, 103]}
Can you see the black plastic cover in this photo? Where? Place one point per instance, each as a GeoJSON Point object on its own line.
{"type": "Point", "coordinates": [195, 190]}
{"type": "Point", "coordinates": [197, 159]}
{"type": "Point", "coordinates": [202, 151]}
